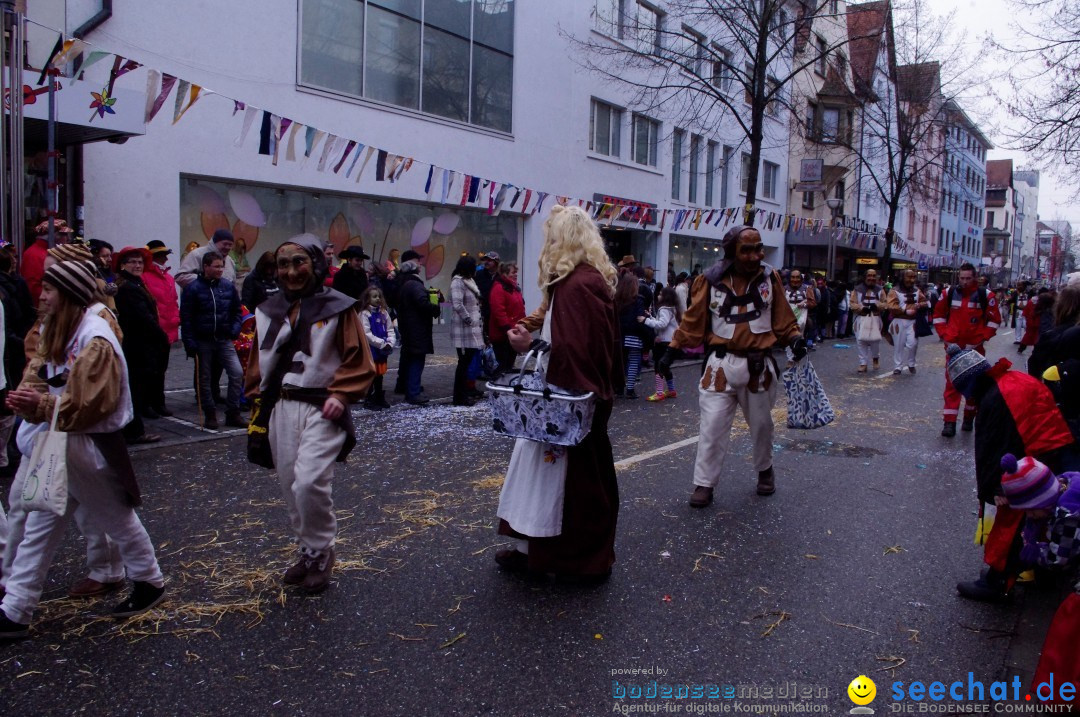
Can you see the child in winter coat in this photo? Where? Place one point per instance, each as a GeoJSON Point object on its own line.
{"type": "Point", "coordinates": [379, 331]}
{"type": "Point", "coordinates": [668, 316]}
{"type": "Point", "coordinates": [1051, 506]}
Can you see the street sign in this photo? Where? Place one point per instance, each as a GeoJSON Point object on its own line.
{"type": "Point", "coordinates": [809, 187]}
{"type": "Point", "coordinates": [812, 170]}
{"type": "Point", "coordinates": [923, 266]}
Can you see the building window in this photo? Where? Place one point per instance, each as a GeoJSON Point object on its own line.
{"type": "Point", "coordinates": [646, 137]}
{"type": "Point", "coordinates": [729, 152]}
{"type": "Point", "coordinates": [830, 125]}
{"type": "Point", "coordinates": [694, 59]}
{"type": "Point", "coordinates": [605, 124]}
{"type": "Point", "coordinates": [811, 120]}
{"type": "Point", "coordinates": [822, 64]}
{"type": "Point", "coordinates": [808, 200]}
{"type": "Point", "coordinates": [695, 151]}
{"type": "Point", "coordinates": [380, 50]}
{"type": "Point", "coordinates": [772, 85]}
{"type": "Point", "coordinates": [748, 88]}
{"type": "Point", "coordinates": [650, 26]}
{"type": "Point", "coordinates": [744, 179]}
{"type": "Point", "coordinates": [770, 174]}
{"type": "Point", "coordinates": [677, 140]}
{"type": "Point", "coordinates": [722, 69]}
{"type": "Point", "coordinates": [849, 128]}
{"type": "Point", "coordinates": [841, 64]}
{"type": "Point", "coordinates": [610, 17]}
{"type": "Point", "coordinates": [710, 172]}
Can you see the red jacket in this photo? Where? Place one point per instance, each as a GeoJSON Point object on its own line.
{"type": "Point", "coordinates": [162, 286]}
{"type": "Point", "coordinates": [507, 308]}
{"type": "Point", "coordinates": [959, 319]}
{"type": "Point", "coordinates": [32, 267]}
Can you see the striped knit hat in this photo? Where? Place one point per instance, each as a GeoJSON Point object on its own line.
{"type": "Point", "coordinates": [77, 279]}
{"type": "Point", "coordinates": [70, 252]}
{"type": "Point", "coordinates": [1028, 484]}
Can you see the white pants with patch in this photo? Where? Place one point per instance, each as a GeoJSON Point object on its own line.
{"type": "Point", "coordinates": [717, 410]}
{"type": "Point", "coordinates": [868, 351]}
{"type": "Point", "coordinates": [905, 344]}
{"type": "Point", "coordinates": [106, 508]}
{"type": "Point", "coordinates": [305, 446]}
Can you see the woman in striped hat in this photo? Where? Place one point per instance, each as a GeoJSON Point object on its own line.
{"type": "Point", "coordinates": [79, 371]}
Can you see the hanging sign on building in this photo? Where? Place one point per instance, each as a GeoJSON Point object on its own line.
{"type": "Point", "coordinates": [630, 210]}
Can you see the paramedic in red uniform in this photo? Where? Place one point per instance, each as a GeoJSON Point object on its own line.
{"type": "Point", "coordinates": [966, 316]}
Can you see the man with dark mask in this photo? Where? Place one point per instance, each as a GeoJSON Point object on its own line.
{"type": "Point", "coordinates": [313, 361]}
{"type": "Point", "coordinates": [739, 312]}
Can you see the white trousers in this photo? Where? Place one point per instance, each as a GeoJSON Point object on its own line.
{"type": "Point", "coordinates": [107, 510]}
{"type": "Point", "coordinates": [305, 446]}
{"type": "Point", "coordinates": [868, 350]}
{"type": "Point", "coordinates": [905, 344]}
{"type": "Point", "coordinates": [717, 409]}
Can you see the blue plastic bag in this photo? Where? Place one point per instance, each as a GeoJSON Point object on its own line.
{"type": "Point", "coordinates": [808, 406]}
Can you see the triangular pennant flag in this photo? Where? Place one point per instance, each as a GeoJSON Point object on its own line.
{"type": "Point", "coordinates": [153, 80]}
{"type": "Point", "coordinates": [167, 82]}
{"type": "Point", "coordinates": [290, 144]}
{"type": "Point", "coordinates": [367, 157]}
{"type": "Point", "coordinates": [355, 160]}
{"type": "Point", "coordinates": [236, 107]}
{"type": "Point", "coordinates": [120, 67]}
{"type": "Point", "coordinates": [181, 96]}
{"type": "Point", "coordinates": [427, 182]}
{"type": "Point", "coordinates": [71, 49]}
{"type": "Point", "coordinates": [540, 201]}
{"type": "Point", "coordinates": [344, 155]}
{"type": "Point", "coordinates": [195, 91]}
{"type": "Point", "coordinates": [92, 59]}
{"type": "Point", "coordinates": [525, 204]}
{"type": "Point", "coordinates": [329, 147]}
{"type": "Point", "coordinates": [249, 117]}
{"type": "Point", "coordinates": [465, 190]}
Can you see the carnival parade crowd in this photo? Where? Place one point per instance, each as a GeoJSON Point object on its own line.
{"type": "Point", "coordinates": [304, 335]}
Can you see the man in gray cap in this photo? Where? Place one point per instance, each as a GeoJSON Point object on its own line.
{"type": "Point", "coordinates": [191, 266]}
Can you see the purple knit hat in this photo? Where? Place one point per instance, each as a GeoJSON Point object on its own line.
{"type": "Point", "coordinates": [1028, 484]}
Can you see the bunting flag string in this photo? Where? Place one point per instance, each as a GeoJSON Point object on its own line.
{"type": "Point", "coordinates": [337, 150]}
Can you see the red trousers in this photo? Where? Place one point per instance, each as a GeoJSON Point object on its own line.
{"type": "Point", "coordinates": [952, 397]}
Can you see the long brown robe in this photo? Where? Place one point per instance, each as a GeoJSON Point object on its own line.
{"type": "Point", "coordinates": [584, 339]}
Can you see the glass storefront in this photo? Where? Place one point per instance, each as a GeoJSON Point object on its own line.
{"type": "Point", "coordinates": [692, 254]}
{"type": "Point", "coordinates": [262, 217]}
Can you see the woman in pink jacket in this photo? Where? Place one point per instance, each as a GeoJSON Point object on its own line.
{"type": "Point", "coordinates": [162, 286]}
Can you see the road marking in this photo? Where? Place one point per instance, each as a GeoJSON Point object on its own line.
{"type": "Point", "coordinates": [627, 462]}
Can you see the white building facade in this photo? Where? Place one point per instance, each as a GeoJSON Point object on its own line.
{"type": "Point", "coordinates": [444, 126]}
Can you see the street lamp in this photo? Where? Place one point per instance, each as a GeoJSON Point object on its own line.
{"type": "Point", "coordinates": [834, 204]}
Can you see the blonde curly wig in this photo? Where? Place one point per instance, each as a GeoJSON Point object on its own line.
{"type": "Point", "coordinates": [571, 238]}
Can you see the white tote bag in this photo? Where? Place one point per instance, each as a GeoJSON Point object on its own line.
{"type": "Point", "coordinates": [46, 486]}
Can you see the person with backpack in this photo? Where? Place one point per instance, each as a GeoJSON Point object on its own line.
{"type": "Point", "coordinates": [966, 316]}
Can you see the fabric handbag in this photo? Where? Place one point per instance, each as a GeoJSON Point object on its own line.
{"type": "Point", "coordinates": [488, 361]}
{"type": "Point", "coordinates": [867, 328]}
{"type": "Point", "coordinates": [46, 484]}
{"type": "Point", "coordinates": [808, 406]}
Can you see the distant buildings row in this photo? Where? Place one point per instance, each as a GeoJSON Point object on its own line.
{"type": "Point", "coordinates": [412, 110]}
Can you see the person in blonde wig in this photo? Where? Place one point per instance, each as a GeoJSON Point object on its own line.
{"type": "Point", "coordinates": [566, 527]}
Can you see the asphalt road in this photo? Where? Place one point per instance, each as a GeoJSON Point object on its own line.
{"type": "Point", "coordinates": [849, 569]}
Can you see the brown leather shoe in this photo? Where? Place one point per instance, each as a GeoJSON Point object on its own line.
{"type": "Point", "coordinates": [296, 574]}
{"type": "Point", "coordinates": [88, 587]}
{"type": "Point", "coordinates": [318, 576]}
{"type": "Point", "coordinates": [766, 482]}
{"type": "Point", "coordinates": [702, 497]}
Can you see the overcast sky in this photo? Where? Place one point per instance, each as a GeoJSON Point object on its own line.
{"type": "Point", "coordinates": [977, 19]}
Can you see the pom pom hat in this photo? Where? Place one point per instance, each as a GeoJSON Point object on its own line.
{"type": "Point", "coordinates": [1028, 484]}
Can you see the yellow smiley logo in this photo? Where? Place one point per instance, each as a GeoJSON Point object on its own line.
{"type": "Point", "coordinates": [862, 690]}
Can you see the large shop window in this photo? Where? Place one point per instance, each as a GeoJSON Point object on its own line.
{"type": "Point", "coordinates": [262, 217]}
{"type": "Point", "coordinates": [451, 58]}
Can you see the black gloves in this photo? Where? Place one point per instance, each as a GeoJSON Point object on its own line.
{"type": "Point", "coordinates": [798, 348]}
{"type": "Point", "coordinates": [191, 353]}
{"type": "Point", "coordinates": [664, 364]}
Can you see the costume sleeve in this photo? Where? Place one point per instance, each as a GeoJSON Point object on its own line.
{"type": "Point", "coordinates": [992, 316]}
{"type": "Point", "coordinates": [253, 373]}
{"type": "Point", "coordinates": [357, 370]}
{"type": "Point", "coordinates": [189, 268]}
{"type": "Point", "coordinates": [694, 327]}
{"type": "Point", "coordinates": [92, 392]}
{"type": "Point", "coordinates": [892, 304]}
{"type": "Point", "coordinates": [30, 343]}
{"type": "Point", "coordinates": [535, 320]}
{"type": "Point", "coordinates": [941, 320]}
{"type": "Point", "coordinates": [785, 327]}
{"type": "Point", "coordinates": [811, 296]}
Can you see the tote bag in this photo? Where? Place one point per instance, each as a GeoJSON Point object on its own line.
{"type": "Point", "coordinates": [45, 486]}
{"type": "Point", "coordinates": [808, 406]}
